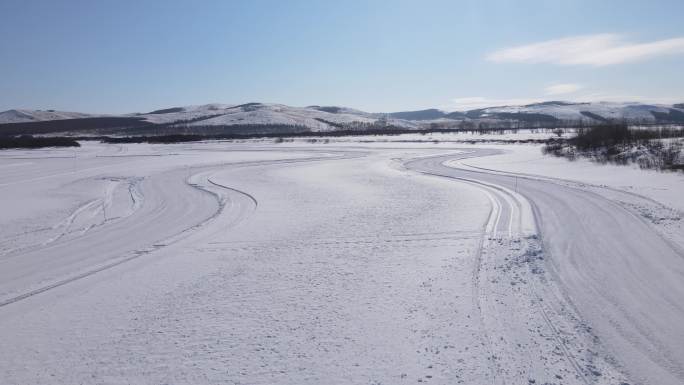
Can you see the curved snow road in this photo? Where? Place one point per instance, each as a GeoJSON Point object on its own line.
{"type": "Point", "coordinates": [173, 204]}
{"type": "Point", "coordinates": [623, 278]}
{"type": "Point", "coordinates": [167, 199]}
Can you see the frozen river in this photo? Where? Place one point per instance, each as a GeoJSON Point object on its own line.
{"type": "Point", "coordinates": [368, 263]}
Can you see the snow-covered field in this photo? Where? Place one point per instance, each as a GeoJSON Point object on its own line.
{"type": "Point", "coordinates": [351, 262]}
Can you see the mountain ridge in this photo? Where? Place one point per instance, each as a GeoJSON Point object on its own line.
{"type": "Point", "coordinates": [215, 117]}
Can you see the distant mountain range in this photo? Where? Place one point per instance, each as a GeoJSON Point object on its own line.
{"type": "Point", "coordinates": [22, 116]}
{"type": "Point", "coordinates": [262, 117]}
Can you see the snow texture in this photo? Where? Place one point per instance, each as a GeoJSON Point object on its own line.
{"type": "Point", "coordinates": [347, 262]}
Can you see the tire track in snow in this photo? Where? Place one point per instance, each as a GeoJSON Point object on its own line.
{"type": "Point", "coordinates": [204, 184]}
{"type": "Point", "coordinates": [136, 253]}
{"type": "Point", "coordinates": [489, 228]}
{"type": "Point", "coordinates": [510, 206]}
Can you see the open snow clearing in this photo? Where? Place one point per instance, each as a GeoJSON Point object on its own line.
{"type": "Point", "coordinates": [291, 263]}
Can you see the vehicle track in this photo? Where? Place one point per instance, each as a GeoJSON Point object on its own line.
{"type": "Point", "coordinates": [608, 266]}
{"type": "Point", "coordinates": [39, 277]}
{"type": "Point", "coordinates": [134, 254]}
{"type": "Point", "coordinates": [502, 201]}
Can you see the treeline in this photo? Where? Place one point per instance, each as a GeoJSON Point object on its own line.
{"type": "Point", "coordinates": [491, 125]}
{"type": "Point", "coordinates": [179, 138]}
{"type": "Point", "coordinates": [378, 127]}
{"type": "Point", "coordinates": [132, 126]}
{"type": "Point", "coordinates": [255, 131]}
{"type": "Point", "coordinates": [611, 135]}
{"type": "Point", "coordinates": [161, 139]}
{"type": "Point", "coordinates": [82, 125]}
{"type": "Point", "coordinates": [28, 141]}
{"type": "Point", "coordinates": [622, 144]}
{"type": "Point", "coordinates": [592, 134]}
{"type": "Point", "coordinates": [211, 131]}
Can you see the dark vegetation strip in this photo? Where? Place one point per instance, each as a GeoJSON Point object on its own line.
{"type": "Point", "coordinates": [133, 125]}
{"type": "Point", "coordinates": [278, 132]}
{"type": "Point", "coordinates": [621, 144]}
{"type": "Point", "coordinates": [73, 125]}
{"type": "Point", "coordinates": [28, 141]}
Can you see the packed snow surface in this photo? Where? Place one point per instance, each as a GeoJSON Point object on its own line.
{"type": "Point", "coordinates": [347, 262]}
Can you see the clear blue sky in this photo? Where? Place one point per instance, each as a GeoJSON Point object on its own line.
{"type": "Point", "coordinates": [129, 56]}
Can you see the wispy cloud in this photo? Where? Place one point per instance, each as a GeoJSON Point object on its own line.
{"type": "Point", "coordinates": [562, 89]}
{"type": "Point", "coordinates": [594, 50]}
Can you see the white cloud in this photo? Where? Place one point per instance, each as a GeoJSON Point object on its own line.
{"type": "Point", "coordinates": [595, 50]}
{"type": "Point", "coordinates": [562, 89]}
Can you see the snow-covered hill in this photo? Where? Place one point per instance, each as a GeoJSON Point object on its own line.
{"type": "Point", "coordinates": [319, 118]}
{"type": "Point", "coordinates": [23, 116]}
{"type": "Point", "coordinates": [225, 117]}
{"type": "Point", "coordinates": [316, 118]}
{"type": "Point", "coordinates": [589, 112]}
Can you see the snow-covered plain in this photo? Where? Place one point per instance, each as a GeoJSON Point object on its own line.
{"type": "Point", "coordinates": [346, 262]}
